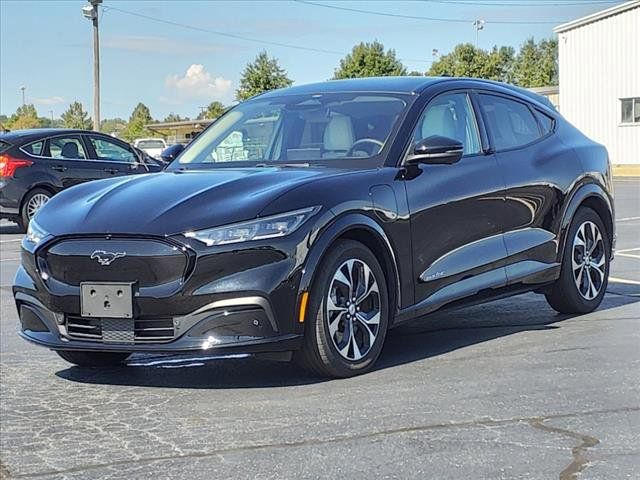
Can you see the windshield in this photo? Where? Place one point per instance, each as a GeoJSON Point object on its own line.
{"type": "Point", "coordinates": [151, 144]}
{"type": "Point", "coordinates": [301, 128]}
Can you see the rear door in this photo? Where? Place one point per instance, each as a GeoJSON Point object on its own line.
{"type": "Point", "coordinates": [67, 159]}
{"type": "Point", "coordinates": [115, 157]}
{"type": "Point", "coordinates": [537, 169]}
{"type": "Point", "coordinates": [456, 210]}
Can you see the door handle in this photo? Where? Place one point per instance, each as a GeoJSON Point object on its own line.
{"type": "Point", "coordinates": [113, 171]}
{"type": "Point", "coordinates": [59, 168]}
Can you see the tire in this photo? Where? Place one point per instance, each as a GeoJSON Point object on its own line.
{"type": "Point", "coordinates": [349, 349]}
{"type": "Point", "coordinates": [37, 196]}
{"type": "Point", "coordinates": [591, 273]}
{"type": "Point", "coordinates": [93, 359]}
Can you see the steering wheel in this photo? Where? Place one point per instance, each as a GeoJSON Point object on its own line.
{"type": "Point", "coordinates": [370, 151]}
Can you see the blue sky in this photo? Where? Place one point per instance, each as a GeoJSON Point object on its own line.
{"type": "Point", "coordinates": [46, 46]}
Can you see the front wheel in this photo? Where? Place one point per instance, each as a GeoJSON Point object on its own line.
{"type": "Point", "coordinates": [348, 313]}
{"type": "Point", "coordinates": [93, 359]}
{"type": "Point", "coordinates": [585, 266]}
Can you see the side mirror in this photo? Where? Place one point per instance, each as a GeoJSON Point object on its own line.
{"type": "Point", "coordinates": [170, 153]}
{"type": "Point", "coordinates": [437, 150]}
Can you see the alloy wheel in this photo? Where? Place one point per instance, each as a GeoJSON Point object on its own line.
{"type": "Point", "coordinates": [353, 309]}
{"type": "Point", "coordinates": [35, 203]}
{"type": "Point", "coordinates": [588, 260]}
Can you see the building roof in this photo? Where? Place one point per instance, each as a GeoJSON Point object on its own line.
{"type": "Point", "coordinates": [180, 124]}
{"type": "Point", "coordinates": [595, 17]}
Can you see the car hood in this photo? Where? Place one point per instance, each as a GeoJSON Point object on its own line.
{"type": "Point", "coordinates": [169, 203]}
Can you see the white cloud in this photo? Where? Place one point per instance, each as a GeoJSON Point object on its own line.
{"type": "Point", "coordinates": [198, 83]}
{"type": "Point", "coordinates": [47, 101]}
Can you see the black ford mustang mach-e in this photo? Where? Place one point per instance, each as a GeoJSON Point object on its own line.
{"type": "Point", "coordinates": [308, 221]}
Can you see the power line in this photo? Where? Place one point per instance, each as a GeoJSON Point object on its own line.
{"type": "Point", "coordinates": [241, 37]}
{"type": "Point", "coordinates": [537, 3]}
{"type": "Point", "coordinates": [432, 19]}
{"type": "Point", "coordinates": [222, 34]}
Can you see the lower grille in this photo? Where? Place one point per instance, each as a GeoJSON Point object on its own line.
{"type": "Point", "coordinates": [109, 330]}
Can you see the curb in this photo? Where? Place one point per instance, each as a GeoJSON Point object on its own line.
{"type": "Point", "coordinates": [626, 170]}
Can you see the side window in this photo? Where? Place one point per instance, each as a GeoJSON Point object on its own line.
{"type": "Point", "coordinates": [65, 148]}
{"type": "Point", "coordinates": [450, 115]}
{"type": "Point", "coordinates": [511, 123]}
{"type": "Point", "coordinates": [546, 122]}
{"type": "Point", "coordinates": [34, 148]}
{"type": "Point", "coordinates": [111, 151]}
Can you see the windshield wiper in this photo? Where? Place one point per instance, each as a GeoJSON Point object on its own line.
{"type": "Point", "coordinates": [284, 165]}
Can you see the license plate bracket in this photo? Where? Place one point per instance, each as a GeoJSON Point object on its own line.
{"type": "Point", "coordinates": [106, 300]}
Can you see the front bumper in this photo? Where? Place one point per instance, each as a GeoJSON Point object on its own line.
{"type": "Point", "coordinates": [229, 299]}
{"type": "Point", "coordinates": [243, 324]}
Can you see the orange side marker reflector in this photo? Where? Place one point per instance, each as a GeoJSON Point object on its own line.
{"type": "Point", "coordinates": [304, 298]}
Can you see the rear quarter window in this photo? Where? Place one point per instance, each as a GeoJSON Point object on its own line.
{"type": "Point", "coordinates": [34, 148]}
{"type": "Point", "coordinates": [512, 124]}
{"type": "Point", "coordinates": [546, 122]}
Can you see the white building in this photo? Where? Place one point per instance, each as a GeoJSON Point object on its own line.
{"type": "Point", "coordinates": [599, 58]}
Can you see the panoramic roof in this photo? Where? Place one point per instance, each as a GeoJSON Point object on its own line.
{"type": "Point", "coordinates": [371, 84]}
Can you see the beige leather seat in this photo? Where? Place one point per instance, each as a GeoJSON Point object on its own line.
{"type": "Point", "coordinates": [338, 137]}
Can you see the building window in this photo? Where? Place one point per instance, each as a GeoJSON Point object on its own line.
{"type": "Point", "coordinates": [630, 108]}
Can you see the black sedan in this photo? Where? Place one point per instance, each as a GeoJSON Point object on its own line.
{"type": "Point", "coordinates": [306, 222]}
{"type": "Point", "coordinates": [37, 164]}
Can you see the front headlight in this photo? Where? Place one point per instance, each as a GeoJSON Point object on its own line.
{"type": "Point", "coordinates": [262, 228]}
{"type": "Point", "coordinates": [35, 234]}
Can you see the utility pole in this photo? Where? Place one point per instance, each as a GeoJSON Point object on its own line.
{"type": "Point", "coordinates": [23, 88]}
{"type": "Point", "coordinates": [51, 112]}
{"type": "Point", "coordinates": [90, 12]}
{"type": "Point", "coordinates": [479, 25]}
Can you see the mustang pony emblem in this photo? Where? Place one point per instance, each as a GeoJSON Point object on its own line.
{"type": "Point", "coordinates": [106, 258]}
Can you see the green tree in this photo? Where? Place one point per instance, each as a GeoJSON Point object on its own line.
{"type": "Point", "coordinates": [261, 75]}
{"type": "Point", "coordinates": [76, 117]}
{"type": "Point", "coordinates": [140, 117]}
{"type": "Point", "coordinates": [25, 117]}
{"type": "Point", "coordinates": [467, 60]}
{"type": "Point", "coordinates": [213, 111]}
{"type": "Point", "coordinates": [369, 60]}
{"type": "Point", "coordinates": [113, 125]}
{"type": "Point", "coordinates": [173, 117]}
{"type": "Point", "coordinates": [537, 64]}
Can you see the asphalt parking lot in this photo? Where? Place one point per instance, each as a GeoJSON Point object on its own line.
{"type": "Point", "coordinates": [504, 390]}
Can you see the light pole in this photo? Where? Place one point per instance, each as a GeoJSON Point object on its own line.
{"type": "Point", "coordinates": [51, 112]}
{"type": "Point", "coordinates": [23, 88]}
{"type": "Point", "coordinates": [90, 12]}
{"type": "Point", "coordinates": [479, 25]}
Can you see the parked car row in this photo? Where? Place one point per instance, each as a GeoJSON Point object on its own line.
{"type": "Point", "coordinates": [37, 164]}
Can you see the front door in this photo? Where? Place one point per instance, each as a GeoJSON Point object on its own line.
{"type": "Point", "coordinates": [116, 158]}
{"type": "Point", "coordinates": [456, 210]}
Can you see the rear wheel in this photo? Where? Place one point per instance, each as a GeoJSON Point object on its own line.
{"type": "Point", "coordinates": [348, 313]}
{"type": "Point", "coordinates": [93, 359]}
{"type": "Point", "coordinates": [33, 202]}
{"type": "Point", "coordinates": [585, 266]}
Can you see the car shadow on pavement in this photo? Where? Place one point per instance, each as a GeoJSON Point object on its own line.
{"type": "Point", "coordinates": [431, 336]}
{"type": "Point", "coordinates": [10, 229]}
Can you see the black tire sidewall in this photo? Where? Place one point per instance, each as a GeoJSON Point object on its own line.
{"type": "Point", "coordinates": [317, 334]}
